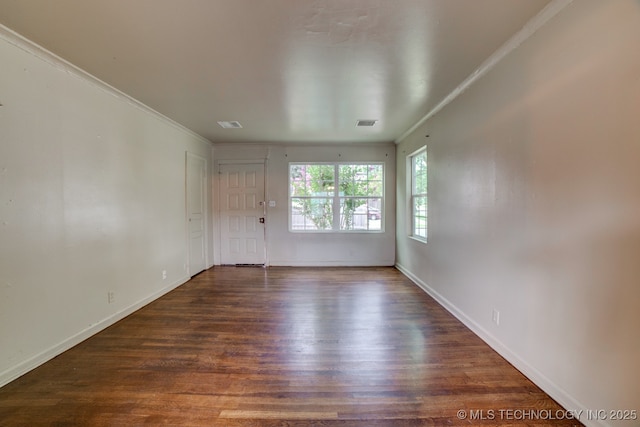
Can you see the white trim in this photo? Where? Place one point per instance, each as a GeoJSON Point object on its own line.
{"type": "Point", "coordinates": [530, 28]}
{"type": "Point", "coordinates": [418, 239]}
{"type": "Point", "coordinates": [411, 219]}
{"type": "Point", "coordinates": [189, 154]}
{"type": "Point", "coordinates": [241, 162]}
{"type": "Point", "coordinates": [547, 385]}
{"type": "Point", "coordinates": [33, 362]}
{"type": "Point", "coordinates": [265, 207]}
{"type": "Point", "coordinates": [326, 145]}
{"type": "Point", "coordinates": [422, 148]}
{"type": "Point", "coordinates": [340, 263]}
{"type": "Point", "coordinates": [28, 46]}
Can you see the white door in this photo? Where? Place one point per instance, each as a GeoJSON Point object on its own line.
{"type": "Point", "coordinates": [196, 212]}
{"type": "Point", "coordinates": [242, 213]}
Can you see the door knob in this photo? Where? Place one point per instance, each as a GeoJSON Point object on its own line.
{"type": "Point", "coordinates": [261, 220]}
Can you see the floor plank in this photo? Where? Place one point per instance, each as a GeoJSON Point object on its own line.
{"type": "Point", "coordinates": [282, 347]}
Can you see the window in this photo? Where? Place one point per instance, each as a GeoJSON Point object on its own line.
{"type": "Point", "coordinates": [336, 197]}
{"type": "Point", "coordinates": [419, 194]}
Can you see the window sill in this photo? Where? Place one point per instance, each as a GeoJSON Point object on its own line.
{"type": "Point", "coordinates": [418, 239]}
{"type": "Point", "coordinates": [337, 232]}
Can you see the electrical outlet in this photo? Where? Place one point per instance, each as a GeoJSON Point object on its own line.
{"type": "Point", "coordinates": [496, 317]}
{"type": "Point", "coordinates": [164, 274]}
{"type": "Point", "coordinates": [111, 297]}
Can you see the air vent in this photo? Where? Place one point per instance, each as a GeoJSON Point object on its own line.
{"type": "Point", "coordinates": [366, 122]}
{"type": "Point", "coordinates": [230, 125]}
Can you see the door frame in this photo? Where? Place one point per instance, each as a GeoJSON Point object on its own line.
{"type": "Point", "coordinates": [205, 231]}
{"type": "Point", "coordinates": [218, 206]}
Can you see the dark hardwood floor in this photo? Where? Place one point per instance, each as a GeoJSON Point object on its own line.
{"type": "Point", "coordinates": [282, 347]}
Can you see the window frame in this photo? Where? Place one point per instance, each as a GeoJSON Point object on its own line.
{"type": "Point", "coordinates": [413, 194]}
{"type": "Point", "coordinates": [337, 199]}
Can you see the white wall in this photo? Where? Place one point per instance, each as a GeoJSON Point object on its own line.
{"type": "Point", "coordinates": [534, 207]}
{"type": "Point", "coordinates": [92, 200]}
{"type": "Point", "coordinates": [315, 249]}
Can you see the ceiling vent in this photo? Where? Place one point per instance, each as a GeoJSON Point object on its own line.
{"type": "Point", "coordinates": [230, 125]}
{"type": "Point", "coordinates": [366, 122]}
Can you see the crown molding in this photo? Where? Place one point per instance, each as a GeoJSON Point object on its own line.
{"type": "Point", "coordinates": [530, 28]}
{"type": "Point", "coordinates": [32, 48]}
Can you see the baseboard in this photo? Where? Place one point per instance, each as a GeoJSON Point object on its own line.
{"type": "Point", "coordinates": [33, 362]}
{"type": "Point", "coordinates": [329, 264]}
{"type": "Point", "coordinates": [538, 378]}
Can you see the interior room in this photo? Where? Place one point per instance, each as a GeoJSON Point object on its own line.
{"type": "Point", "coordinates": [484, 153]}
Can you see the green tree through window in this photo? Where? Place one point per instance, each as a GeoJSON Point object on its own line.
{"type": "Point", "coordinates": [419, 194]}
{"type": "Point", "coordinates": [336, 197]}
{"type": "Point", "coordinates": [312, 188]}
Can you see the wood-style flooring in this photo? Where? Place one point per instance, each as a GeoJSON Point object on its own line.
{"type": "Point", "coordinates": [282, 347]}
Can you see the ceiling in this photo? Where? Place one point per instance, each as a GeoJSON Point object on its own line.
{"type": "Point", "coordinates": [290, 71]}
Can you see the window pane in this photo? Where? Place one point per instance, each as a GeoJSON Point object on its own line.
{"type": "Point", "coordinates": [353, 180]}
{"type": "Point", "coordinates": [360, 180]}
{"type": "Point", "coordinates": [311, 213]}
{"type": "Point", "coordinates": [420, 216]}
{"type": "Point", "coordinates": [360, 214]}
{"type": "Point", "coordinates": [419, 173]}
{"type": "Point", "coordinates": [419, 194]}
{"type": "Point", "coordinates": [375, 180]}
{"type": "Point", "coordinates": [312, 180]}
